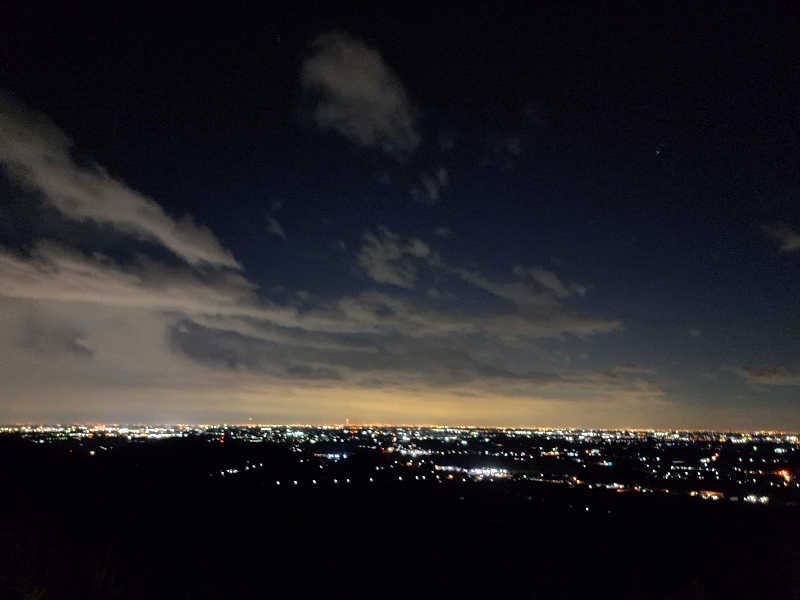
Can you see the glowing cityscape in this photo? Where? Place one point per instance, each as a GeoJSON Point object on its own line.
{"type": "Point", "coordinates": [749, 467]}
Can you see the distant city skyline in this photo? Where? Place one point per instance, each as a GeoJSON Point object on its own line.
{"type": "Point", "coordinates": [752, 468]}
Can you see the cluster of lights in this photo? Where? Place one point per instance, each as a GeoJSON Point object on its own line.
{"type": "Point", "coordinates": [730, 465]}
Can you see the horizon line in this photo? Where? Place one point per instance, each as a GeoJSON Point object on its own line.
{"type": "Point", "coordinates": [98, 424]}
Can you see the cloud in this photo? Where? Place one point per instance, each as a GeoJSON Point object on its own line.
{"type": "Point", "coordinates": [227, 300]}
{"type": "Point", "coordinates": [57, 273]}
{"type": "Point", "coordinates": [359, 96]}
{"type": "Point", "coordinates": [443, 232]}
{"type": "Point", "coordinates": [37, 154]}
{"type": "Point", "coordinates": [578, 288]}
{"type": "Point", "coordinates": [268, 356]}
{"type": "Point", "coordinates": [695, 333]}
{"type": "Point", "coordinates": [629, 369]}
{"type": "Point", "coordinates": [383, 257]}
{"type": "Point", "coordinates": [158, 337]}
{"type": "Point", "coordinates": [80, 328]}
{"type": "Point", "coordinates": [548, 289]}
{"type": "Point", "coordinates": [550, 281]}
{"type": "Point", "coordinates": [771, 374]}
{"type": "Point", "coordinates": [786, 236]}
{"type": "Point", "coordinates": [537, 311]}
{"type": "Point", "coordinates": [274, 228]}
{"type": "Point", "coordinates": [380, 312]}
{"type": "Point", "coordinates": [48, 337]}
{"type": "Point", "coordinates": [432, 187]}
{"type": "Point", "coordinates": [410, 363]}
{"type": "Point", "coordinates": [519, 293]}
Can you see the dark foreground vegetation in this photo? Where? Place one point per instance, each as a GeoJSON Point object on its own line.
{"type": "Point", "coordinates": [146, 520]}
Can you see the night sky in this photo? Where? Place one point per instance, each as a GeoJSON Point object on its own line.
{"type": "Point", "coordinates": [554, 216]}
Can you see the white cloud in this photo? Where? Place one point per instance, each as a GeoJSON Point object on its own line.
{"type": "Point", "coordinates": [36, 153]}
{"type": "Point", "coordinates": [550, 281]}
{"type": "Point", "coordinates": [538, 310]}
{"type": "Point", "coordinates": [383, 256]}
{"type": "Point", "coordinates": [274, 228]}
{"type": "Point", "coordinates": [72, 289]}
{"type": "Point", "coordinates": [359, 95]}
{"type": "Point", "coordinates": [519, 293]}
{"type": "Point", "coordinates": [56, 273]}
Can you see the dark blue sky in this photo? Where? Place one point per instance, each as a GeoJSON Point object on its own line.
{"type": "Point", "coordinates": [540, 216]}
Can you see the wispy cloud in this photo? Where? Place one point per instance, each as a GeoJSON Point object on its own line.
{"type": "Point", "coordinates": [550, 281]}
{"type": "Point", "coordinates": [359, 96]}
{"type": "Point", "coordinates": [787, 237]}
{"type": "Point", "coordinates": [383, 253]}
{"type": "Point", "coordinates": [517, 292]}
{"type": "Point", "coordinates": [36, 153]}
{"type": "Point", "coordinates": [547, 279]}
{"type": "Point", "coordinates": [630, 369]}
{"type": "Point", "coordinates": [383, 312]}
{"type": "Point", "coordinates": [431, 186]}
{"type": "Point", "coordinates": [274, 228]}
{"type": "Point", "coordinates": [538, 307]}
{"type": "Point", "coordinates": [771, 374]}
{"type": "Point", "coordinates": [417, 363]}
{"type": "Point", "coordinates": [57, 273]}
{"type": "Point", "coordinates": [443, 232]}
